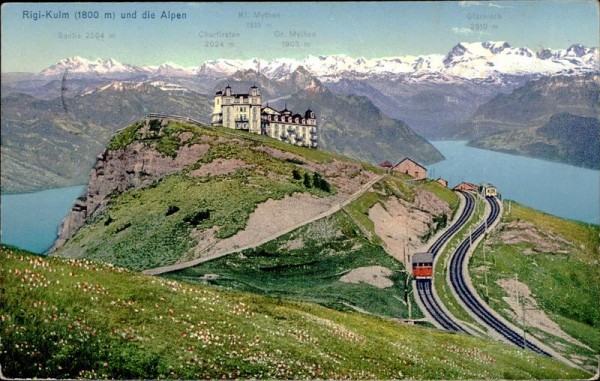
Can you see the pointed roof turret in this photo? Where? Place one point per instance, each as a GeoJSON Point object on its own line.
{"type": "Point", "coordinates": [285, 111]}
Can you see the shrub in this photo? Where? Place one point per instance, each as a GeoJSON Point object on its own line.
{"type": "Point", "coordinates": [441, 221]}
{"type": "Point", "coordinates": [296, 174]}
{"type": "Point", "coordinates": [307, 181]}
{"type": "Point", "coordinates": [321, 183]}
{"type": "Point", "coordinates": [172, 210]}
{"type": "Point", "coordinates": [195, 219]}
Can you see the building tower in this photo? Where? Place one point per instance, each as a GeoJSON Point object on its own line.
{"type": "Point", "coordinates": [255, 103]}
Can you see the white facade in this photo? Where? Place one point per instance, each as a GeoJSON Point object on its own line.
{"type": "Point", "coordinates": [238, 111]}
{"type": "Point", "coordinates": [292, 128]}
{"type": "Point", "coordinates": [244, 112]}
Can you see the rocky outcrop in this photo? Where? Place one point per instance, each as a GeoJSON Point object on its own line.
{"type": "Point", "coordinates": [136, 165]}
{"type": "Point", "coordinates": [398, 222]}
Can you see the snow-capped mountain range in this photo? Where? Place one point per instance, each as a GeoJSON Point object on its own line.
{"type": "Point", "coordinates": [479, 60]}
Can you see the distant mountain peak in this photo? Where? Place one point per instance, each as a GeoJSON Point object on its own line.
{"type": "Point", "coordinates": [82, 66]}
{"type": "Point", "coordinates": [487, 60]}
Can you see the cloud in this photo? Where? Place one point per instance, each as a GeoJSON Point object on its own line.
{"type": "Point", "coordinates": [461, 31]}
{"type": "Point", "coordinates": [466, 4]}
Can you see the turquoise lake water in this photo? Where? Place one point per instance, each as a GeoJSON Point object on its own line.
{"type": "Point", "coordinates": [30, 221]}
{"type": "Point", "coordinates": [555, 188]}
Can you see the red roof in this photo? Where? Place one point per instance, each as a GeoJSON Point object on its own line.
{"type": "Point", "coordinates": [411, 160]}
{"type": "Point", "coordinates": [386, 164]}
{"type": "Point", "coordinates": [466, 185]}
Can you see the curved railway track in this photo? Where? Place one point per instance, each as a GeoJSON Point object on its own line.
{"type": "Point", "coordinates": [466, 294]}
{"type": "Point", "coordinates": [425, 286]}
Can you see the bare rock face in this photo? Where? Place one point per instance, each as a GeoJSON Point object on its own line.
{"type": "Point", "coordinates": [400, 223]}
{"type": "Point", "coordinates": [135, 166]}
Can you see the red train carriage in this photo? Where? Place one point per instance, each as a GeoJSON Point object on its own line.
{"type": "Point", "coordinates": [422, 265]}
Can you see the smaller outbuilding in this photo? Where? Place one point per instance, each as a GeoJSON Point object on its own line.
{"type": "Point", "coordinates": [442, 182]}
{"type": "Point", "coordinates": [386, 164]}
{"type": "Point", "coordinates": [467, 187]}
{"type": "Point", "coordinates": [411, 168]}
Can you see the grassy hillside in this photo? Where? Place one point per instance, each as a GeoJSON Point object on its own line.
{"type": "Point", "coordinates": [307, 264]}
{"type": "Point", "coordinates": [310, 263]}
{"type": "Point", "coordinates": [559, 261]}
{"type": "Point", "coordinates": [157, 225]}
{"type": "Point", "coordinates": [86, 319]}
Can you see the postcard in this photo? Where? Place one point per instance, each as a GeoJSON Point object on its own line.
{"type": "Point", "coordinates": [285, 190]}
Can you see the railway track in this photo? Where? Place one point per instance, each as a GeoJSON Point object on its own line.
{"type": "Point", "coordinates": [425, 287]}
{"type": "Point", "coordinates": [466, 294]}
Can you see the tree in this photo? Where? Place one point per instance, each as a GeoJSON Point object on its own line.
{"type": "Point", "coordinates": [296, 174]}
{"type": "Point", "coordinates": [317, 180]}
{"type": "Point", "coordinates": [321, 183]}
{"type": "Point", "coordinates": [307, 182]}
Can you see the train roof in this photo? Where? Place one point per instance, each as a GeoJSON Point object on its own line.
{"type": "Point", "coordinates": [422, 258]}
{"type": "Point", "coordinates": [488, 185]}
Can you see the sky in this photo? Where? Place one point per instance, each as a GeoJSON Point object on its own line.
{"type": "Point", "coordinates": [273, 30]}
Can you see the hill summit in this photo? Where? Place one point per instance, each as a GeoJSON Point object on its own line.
{"type": "Point", "coordinates": [164, 191]}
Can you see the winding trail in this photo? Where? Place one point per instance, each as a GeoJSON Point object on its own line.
{"type": "Point", "coordinates": [333, 209]}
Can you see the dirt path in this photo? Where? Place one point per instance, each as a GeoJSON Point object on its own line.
{"type": "Point", "coordinates": [377, 276]}
{"type": "Point", "coordinates": [258, 234]}
{"type": "Point", "coordinates": [534, 316]}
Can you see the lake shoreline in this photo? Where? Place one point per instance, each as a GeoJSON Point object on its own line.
{"type": "Point", "coordinates": [31, 220]}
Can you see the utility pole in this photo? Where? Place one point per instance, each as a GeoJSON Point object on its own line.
{"type": "Point", "coordinates": [487, 294]}
{"type": "Point", "coordinates": [524, 326]}
{"type": "Point", "coordinates": [486, 226]}
{"type": "Point", "coordinates": [406, 281]}
{"type": "Point", "coordinates": [522, 305]}
{"type": "Point", "coordinates": [470, 236]}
